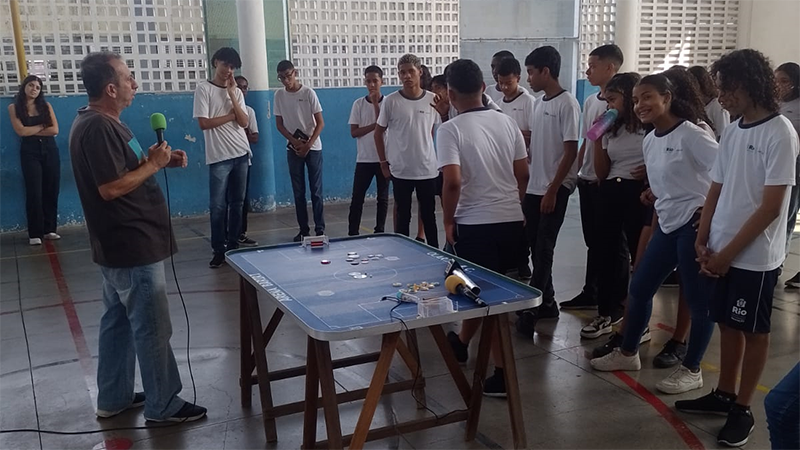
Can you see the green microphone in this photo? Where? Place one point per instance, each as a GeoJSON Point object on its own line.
{"type": "Point", "coordinates": [158, 123]}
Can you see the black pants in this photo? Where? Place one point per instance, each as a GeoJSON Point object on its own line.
{"type": "Point", "coordinates": [426, 197]}
{"type": "Point", "coordinates": [495, 246]}
{"type": "Point", "coordinates": [246, 204]}
{"type": "Point", "coordinates": [41, 168]}
{"type": "Point", "coordinates": [362, 179]}
{"type": "Point", "coordinates": [590, 210]}
{"type": "Point", "coordinates": [542, 230]}
{"type": "Point", "coordinates": [620, 223]}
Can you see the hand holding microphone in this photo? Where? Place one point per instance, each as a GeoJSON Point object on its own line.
{"type": "Point", "coordinates": [457, 282]}
{"type": "Point", "coordinates": [175, 158]}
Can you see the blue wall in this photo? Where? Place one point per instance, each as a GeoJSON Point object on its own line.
{"type": "Point", "coordinates": [269, 181]}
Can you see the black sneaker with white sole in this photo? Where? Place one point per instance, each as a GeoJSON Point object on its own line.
{"type": "Point", "coordinates": [460, 349]}
{"type": "Point", "coordinates": [495, 385]}
{"type": "Point", "coordinates": [738, 427]}
{"type": "Point", "coordinates": [217, 261]}
{"type": "Point", "coordinates": [138, 401]}
{"type": "Point", "coordinates": [716, 402]}
{"type": "Point", "coordinates": [671, 355]}
{"type": "Point", "coordinates": [599, 326]}
{"type": "Point", "coordinates": [616, 341]}
{"type": "Point", "coordinates": [793, 283]}
{"type": "Point", "coordinates": [245, 241]}
{"type": "Point", "coordinates": [189, 412]}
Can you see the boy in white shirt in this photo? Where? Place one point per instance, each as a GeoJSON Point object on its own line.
{"type": "Point", "coordinates": [363, 118]}
{"type": "Point", "coordinates": [298, 115]}
{"type": "Point", "coordinates": [404, 140]}
{"type": "Point", "coordinates": [220, 110]}
{"type": "Point", "coordinates": [252, 137]}
{"type": "Point", "coordinates": [553, 173]}
{"type": "Point", "coordinates": [741, 239]}
{"type": "Point", "coordinates": [483, 158]}
{"type": "Point", "coordinates": [495, 92]}
{"type": "Point", "coordinates": [604, 62]}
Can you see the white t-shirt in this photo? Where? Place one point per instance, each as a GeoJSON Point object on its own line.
{"type": "Point", "coordinates": [487, 102]}
{"type": "Point", "coordinates": [750, 157]}
{"type": "Point", "coordinates": [409, 135]}
{"type": "Point", "coordinates": [791, 110]}
{"type": "Point", "coordinates": [497, 95]}
{"type": "Point", "coordinates": [298, 109]}
{"type": "Point", "coordinates": [678, 164]}
{"type": "Point", "coordinates": [719, 116]}
{"type": "Point", "coordinates": [593, 108]}
{"type": "Point", "coordinates": [252, 123]}
{"type": "Point", "coordinates": [228, 140]}
{"type": "Point", "coordinates": [520, 109]}
{"type": "Point", "coordinates": [362, 115]}
{"type": "Point", "coordinates": [625, 152]}
{"type": "Point", "coordinates": [485, 145]}
{"type": "Point", "coordinates": [554, 122]}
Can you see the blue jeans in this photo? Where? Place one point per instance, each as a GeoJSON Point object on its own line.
{"type": "Point", "coordinates": [297, 165]}
{"type": "Point", "coordinates": [136, 325]}
{"type": "Point", "coordinates": [663, 253]}
{"type": "Point", "coordinates": [227, 183]}
{"type": "Point", "coordinates": [782, 406]}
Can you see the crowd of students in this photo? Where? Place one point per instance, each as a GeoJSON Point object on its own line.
{"type": "Point", "coordinates": [671, 188]}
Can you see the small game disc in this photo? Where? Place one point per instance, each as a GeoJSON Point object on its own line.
{"type": "Point", "coordinates": [355, 263]}
{"type": "Point", "coordinates": [325, 261]}
{"type": "Point", "coordinates": [397, 284]}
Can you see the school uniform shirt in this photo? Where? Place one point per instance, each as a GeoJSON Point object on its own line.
{"type": "Point", "coordinates": [487, 102]}
{"type": "Point", "coordinates": [554, 122]}
{"type": "Point", "coordinates": [750, 157]}
{"type": "Point", "coordinates": [593, 108]}
{"type": "Point", "coordinates": [228, 140]}
{"type": "Point", "coordinates": [520, 108]}
{"type": "Point", "coordinates": [252, 123]}
{"type": "Point", "coordinates": [485, 145]}
{"type": "Point", "coordinates": [625, 152]}
{"type": "Point", "coordinates": [719, 116]}
{"type": "Point", "coordinates": [298, 109]}
{"type": "Point", "coordinates": [678, 164]}
{"type": "Point", "coordinates": [497, 95]}
{"type": "Point", "coordinates": [409, 140]}
{"type": "Point", "coordinates": [363, 114]}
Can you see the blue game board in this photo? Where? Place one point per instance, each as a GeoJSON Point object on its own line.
{"type": "Point", "coordinates": [339, 300]}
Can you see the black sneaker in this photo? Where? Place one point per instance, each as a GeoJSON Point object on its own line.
{"type": "Point", "coordinates": [459, 348]}
{"type": "Point", "coordinates": [526, 323]}
{"type": "Point", "coordinates": [793, 283]}
{"type": "Point", "coordinates": [524, 272]}
{"type": "Point", "coordinates": [547, 311]}
{"type": "Point", "coordinates": [320, 232]}
{"type": "Point", "coordinates": [138, 401]}
{"type": "Point", "coordinates": [737, 428]}
{"type": "Point", "coordinates": [217, 261]}
{"type": "Point", "coordinates": [671, 355]}
{"type": "Point", "coordinates": [613, 342]}
{"type": "Point", "coordinates": [716, 402]}
{"type": "Point", "coordinates": [617, 316]}
{"type": "Point", "coordinates": [581, 301]}
{"type": "Point", "coordinates": [188, 413]}
{"type": "Point", "coordinates": [672, 280]}
{"type": "Point", "coordinates": [495, 385]}
{"type": "Point", "coordinates": [245, 241]}
{"type": "Point", "coordinates": [300, 236]}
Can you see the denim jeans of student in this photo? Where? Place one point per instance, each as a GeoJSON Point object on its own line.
{"type": "Point", "coordinates": [227, 182]}
{"type": "Point", "coordinates": [297, 172]}
{"type": "Point", "coordinates": [782, 407]}
{"type": "Point", "coordinates": [136, 325]}
{"type": "Point", "coordinates": [663, 253]}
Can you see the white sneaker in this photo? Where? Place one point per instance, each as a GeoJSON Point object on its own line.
{"type": "Point", "coordinates": [35, 241]}
{"type": "Point", "coordinates": [599, 326]}
{"type": "Point", "coordinates": [616, 361]}
{"type": "Point", "coordinates": [645, 336]}
{"type": "Point", "coordinates": [51, 237]}
{"type": "Point", "coordinates": [680, 381]}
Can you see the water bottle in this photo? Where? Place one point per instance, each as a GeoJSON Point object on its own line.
{"type": "Point", "coordinates": [602, 125]}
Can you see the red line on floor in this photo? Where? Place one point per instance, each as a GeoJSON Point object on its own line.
{"type": "Point", "coordinates": [665, 327]}
{"type": "Point", "coordinates": [665, 411]}
{"type": "Point", "coordinates": [84, 355]}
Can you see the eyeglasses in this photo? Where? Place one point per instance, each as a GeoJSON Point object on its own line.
{"type": "Point", "coordinates": [286, 76]}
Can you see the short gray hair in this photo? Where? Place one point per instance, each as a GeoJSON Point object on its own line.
{"type": "Point", "coordinates": [408, 58]}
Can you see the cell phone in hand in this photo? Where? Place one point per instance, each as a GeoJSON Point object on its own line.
{"type": "Point", "coordinates": [298, 134]}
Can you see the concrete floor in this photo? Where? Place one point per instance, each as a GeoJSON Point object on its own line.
{"type": "Point", "coordinates": [566, 404]}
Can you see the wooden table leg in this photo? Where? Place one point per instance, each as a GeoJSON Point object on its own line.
{"type": "Point", "coordinates": [312, 393]}
{"type": "Point", "coordinates": [331, 406]}
{"type": "Point", "coordinates": [476, 397]}
{"type": "Point", "coordinates": [512, 383]}
{"type": "Point", "coordinates": [245, 341]}
{"type": "Point", "coordinates": [388, 346]}
{"type": "Point", "coordinates": [262, 368]}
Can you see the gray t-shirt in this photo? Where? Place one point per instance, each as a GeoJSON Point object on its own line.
{"type": "Point", "coordinates": [131, 230]}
